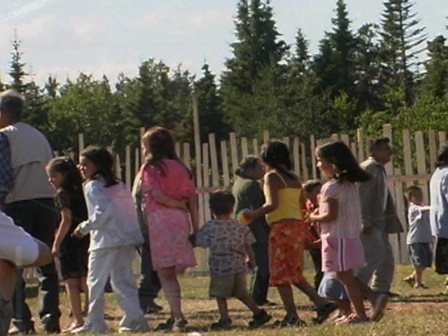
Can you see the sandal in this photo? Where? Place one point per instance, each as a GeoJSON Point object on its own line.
{"type": "Point", "coordinates": [72, 326]}
{"type": "Point", "coordinates": [289, 321]}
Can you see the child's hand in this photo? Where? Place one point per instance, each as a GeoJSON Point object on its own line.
{"type": "Point", "coordinates": [55, 251]}
{"type": "Point", "coordinates": [313, 216]}
{"type": "Point", "coordinates": [192, 239]}
{"type": "Point", "coordinates": [77, 233]}
{"type": "Point", "coordinates": [250, 264]}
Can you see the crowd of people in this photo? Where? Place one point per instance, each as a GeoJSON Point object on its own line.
{"type": "Point", "coordinates": [86, 218]}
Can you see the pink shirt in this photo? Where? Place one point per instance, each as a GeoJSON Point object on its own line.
{"type": "Point", "coordinates": [176, 184]}
{"type": "Point", "coordinates": [348, 222]}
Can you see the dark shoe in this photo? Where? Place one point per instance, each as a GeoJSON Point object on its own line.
{"type": "Point", "coordinates": [153, 308]}
{"type": "Point", "coordinates": [222, 324]}
{"type": "Point", "coordinates": [165, 326]}
{"type": "Point", "coordinates": [323, 312]}
{"type": "Point", "coordinates": [179, 325]}
{"type": "Point", "coordinates": [258, 320]}
{"type": "Point", "coordinates": [22, 330]}
{"type": "Point", "coordinates": [289, 321]}
{"type": "Point", "coordinates": [392, 294]}
{"type": "Point", "coordinates": [51, 324]}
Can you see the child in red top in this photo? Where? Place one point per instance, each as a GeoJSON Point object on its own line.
{"type": "Point", "coordinates": [312, 190]}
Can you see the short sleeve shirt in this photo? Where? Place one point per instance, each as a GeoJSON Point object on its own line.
{"type": "Point", "coordinates": [419, 227]}
{"type": "Point", "coordinates": [349, 220]}
{"type": "Point", "coordinates": [226, 240]}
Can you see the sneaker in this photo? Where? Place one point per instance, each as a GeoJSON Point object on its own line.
{"type": "Point", "coordinates": [15, 330]}
{"type": "Point", "coordinates": [258, 320]}
{"type": "Point", "coordinates": [51, 324]}
{"type": "Point", "coordinates": [323, 312]}
{"type": "Point", "coordinates": [409, 280]}
{"type": "Point", "coordinates": [165, 326]}
{"type": "Point", "coordinates": [179, 325]}
{"type": "Point", "coordinates": [222, 324]}
{"type": "Point", "coordinates": [289, 321]}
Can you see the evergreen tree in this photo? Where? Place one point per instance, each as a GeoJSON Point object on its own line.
{"type": "Point", "coordinates": [435, 83]}
{"type": "Point", "coordinates": [335, 63]}
{"type": "Point", "coordinates": [257, 47]}
{"type": "Point", "coordinates": [211, 117]}
{"type": "Point", "coordinates": [401, 45]}
{"type": "Point", "coordinates": [17, 68]}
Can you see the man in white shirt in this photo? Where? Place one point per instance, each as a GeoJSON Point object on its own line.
{"type": "Point", "coordinates": [17, 248]}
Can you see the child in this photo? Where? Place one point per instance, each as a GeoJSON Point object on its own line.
{"type": "Point", "coordinates": [71, 251]}
{"type": "Point", "coordinates": [284, 213]}
{"type": "Point", "coordinates": [17, 249]}
{"type": "Point", "coordinates": [168, 188]}
{"type": "Point", "coordinates": [229, 243]}
{"type": "Point", "coordinates": [114, 234]}
{"type": "Point", "coordinates": [339, 215]}
{"type": "Point", "coordinates": [419, 236]}
{"type": "Point", "coordinates": [331, 289]}
{"type": "Point", "coordinates": [312, 190]}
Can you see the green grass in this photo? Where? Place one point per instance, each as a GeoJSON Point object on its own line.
{"type": "Point", "coordinates": [415, 312]}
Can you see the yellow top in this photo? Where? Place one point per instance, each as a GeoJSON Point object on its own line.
{"type": "Point", "coordinates": [289, 206]}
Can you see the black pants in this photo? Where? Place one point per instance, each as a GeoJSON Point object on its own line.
{"type": "Point", "coordinates": [149, 285]}
{"type": "Point", "coordinates": [260, 285]}
{"type": "Point", "coordinates": [316, 257]}
{"type": "Point", "coordinates": [39, 218]}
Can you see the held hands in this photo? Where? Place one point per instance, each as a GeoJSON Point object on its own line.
{"type": "Point", "coordinates": [77, 233]}
{"type": "Point", "coordinates": [314, 216]}
{"type": "Point", "coordinates": [367, 230]}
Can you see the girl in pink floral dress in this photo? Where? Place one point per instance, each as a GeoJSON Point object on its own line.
{"type": "Point", "coordinates": [172, 213]}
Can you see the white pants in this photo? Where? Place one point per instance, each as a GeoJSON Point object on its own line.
{"type": "Point", "coordinates": [116, 263]}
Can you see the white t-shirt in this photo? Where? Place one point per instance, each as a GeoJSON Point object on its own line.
{"type": "Point", "coordinates": [348, 222]}
{"type": "Point", "coordinates": [16, 245]}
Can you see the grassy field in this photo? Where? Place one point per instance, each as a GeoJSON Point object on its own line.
{"type": "Point", "coordinates": [415, 312]}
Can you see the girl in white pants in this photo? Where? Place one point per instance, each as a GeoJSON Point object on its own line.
{"type": "Point", "coordinates": [114, 233]}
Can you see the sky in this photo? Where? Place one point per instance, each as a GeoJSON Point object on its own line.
{"type": "Point", "coordinates": [65, 37]}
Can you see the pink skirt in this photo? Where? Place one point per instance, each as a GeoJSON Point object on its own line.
{"type": "Point", "coordinates": [341, 254]}
{"type": "Point", "coordinates": [168, 239]}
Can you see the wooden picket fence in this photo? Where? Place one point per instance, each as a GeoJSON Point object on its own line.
{"type": "Point", "coordinates": [214, 165]}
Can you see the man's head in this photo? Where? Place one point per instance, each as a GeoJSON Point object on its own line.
{"type": "Point", "coordinates": [381, 150]}
{"type": "Point", "coordinates": [11, 107]}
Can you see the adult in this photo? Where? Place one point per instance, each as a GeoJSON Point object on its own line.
{"type": "Point", "coordinates": [149, 285]}
{"type": "Point", "coordinates": [249, 195]}
{"type": "Point", "coordinates": [17, 248]}
{"type": "Point", "coordinates": [438, 213]}
{"type": "Point", "coordinates": [379, 219]}
{"type": "Point", "coordinates": [27, 197]}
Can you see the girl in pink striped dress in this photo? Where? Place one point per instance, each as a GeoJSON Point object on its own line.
{"type": "Point", "coordinates": [172, 214]}
{"type": "Point", "coordinates": [339, 214]}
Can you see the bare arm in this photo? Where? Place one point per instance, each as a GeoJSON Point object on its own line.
{"type": "Point", "coordinates": [169, 202]}
{"type": "Point", "coordinates": [273, 183]}
{"type": "Point", "coordinates": [192, 206]}
{"type": "Point", "coordinates": [330, 215]}
{"type": "Point", "coordinates": [63, 229]}
{"type": "Point", "coordinates": [251, 256]}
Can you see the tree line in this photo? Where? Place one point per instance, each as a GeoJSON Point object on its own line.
{"type": "Point", "coordinates": [380, 72]}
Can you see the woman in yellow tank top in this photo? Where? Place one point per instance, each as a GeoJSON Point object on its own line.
{"type": "Point", "coordinates": [283, 210]}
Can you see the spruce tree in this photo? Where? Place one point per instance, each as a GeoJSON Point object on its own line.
{"type": "Point", "coordinates": [257, 47]}
{"type": "Point", "coordinates": [435, 83]}
{"type": "Point", "coordinates": [401, 45]}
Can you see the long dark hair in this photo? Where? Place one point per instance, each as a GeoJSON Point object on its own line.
{"type": "Point", "coordinates": [66, 167]}
{"type": "Point", "coordinates": [159, 144]}
{"type": "Point", "coordinates": [342, 157]}
{"type": "Point", "coordinates": [275, 153]}
{"type": "Point", "coordinates": [103, 161]}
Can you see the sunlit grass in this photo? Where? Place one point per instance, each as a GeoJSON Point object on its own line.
{"type": "Point", "coordinates": [415, 312]}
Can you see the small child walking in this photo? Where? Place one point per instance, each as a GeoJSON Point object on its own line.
{"type": "Point", "coordinates": [312, 190]}
{"type": "Point", "coordinates": [229, 243]}
{"type": "Point", "coordinates": [114, 234]}
{"type": "Point", "coordinates": [339, 214]}
{"type": "Point", "coordinates": [419, 237]}
{"type": "Point", "coordinates": [71, 251]}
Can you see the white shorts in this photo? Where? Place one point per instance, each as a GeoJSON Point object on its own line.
{"type": "Point", "coordinates": [16, 245]}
